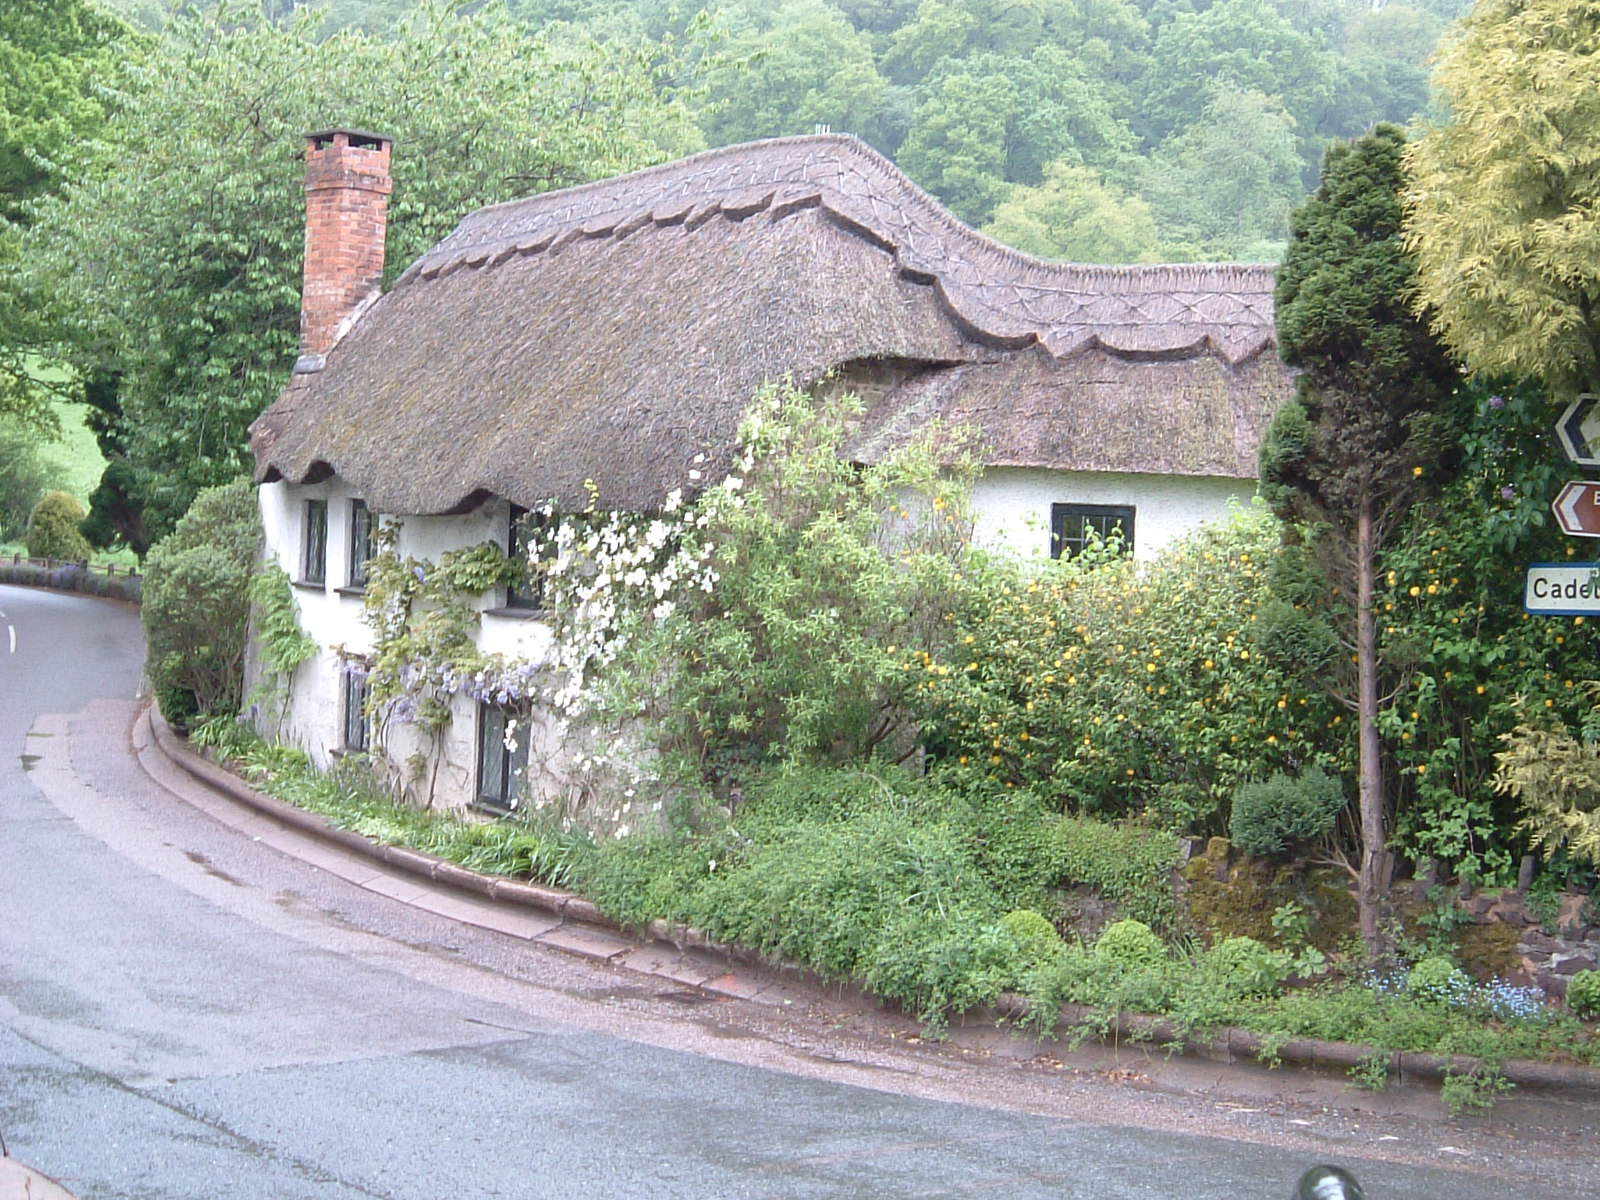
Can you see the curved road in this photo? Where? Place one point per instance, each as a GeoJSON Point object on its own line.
{"type": "Point", "coordinates": [185, 1012]}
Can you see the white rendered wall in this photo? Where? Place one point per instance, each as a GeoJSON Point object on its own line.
{"type": "Point", "coordinates": [1012, 505]}
{"type": "Point", "coordinates": [331, 613]}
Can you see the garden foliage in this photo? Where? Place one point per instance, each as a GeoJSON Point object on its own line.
{"type": "Point", "coordinates": [1124, 689]}
{"type": "Point", "coordinates": [1478, 665]}
{"type": "Point", "coordinates": [1583, 994]}
{"type": "Point", "coordinates": [913, 885]}
{"type": "Point", "coordinates": [766, 619]}
{"type": "Point", "coordinates": [53, 529]}
{"type": "Point", "coordinates": [196, 609]}
{"type": "Point", "coordinates": [1283, 811]}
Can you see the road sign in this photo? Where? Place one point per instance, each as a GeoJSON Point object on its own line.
{"type": "Point", "coordinates": [1563, 589]}
{"type": "Point", "coordinates": [1577, 508]}
{"type": "Point", "coordinates": [1579, 430]}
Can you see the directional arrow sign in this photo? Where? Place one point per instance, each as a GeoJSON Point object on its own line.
{"type": "Point", "coordinates": [1577, 508]}
{"type": "Point", "coordinates": [1579, 430]}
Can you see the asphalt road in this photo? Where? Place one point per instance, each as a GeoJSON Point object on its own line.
{"type": "Point", "coordinates": [185, 1012]}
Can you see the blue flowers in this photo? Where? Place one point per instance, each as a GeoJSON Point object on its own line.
{"type": "Point", "coordinates": [1496, 1000]}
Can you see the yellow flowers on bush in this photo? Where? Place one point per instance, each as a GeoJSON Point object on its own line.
{"type": "Point", "coordinates": [1171, 702]}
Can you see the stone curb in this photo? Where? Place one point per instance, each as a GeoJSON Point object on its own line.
{"type": "Point", "coordinates": [18, 1181]}
{"type": "Point", "coordinates": [1226, 1045]}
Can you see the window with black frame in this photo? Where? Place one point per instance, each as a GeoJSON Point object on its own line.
{"type": "Point", "coordinates": [360, 542]}
{"type": "Point", "coordinates": [527, 589]}
{"type": "Point", "coordinates": [356, 692]}
{"type": "Point", "coordinates": [502, 758]}
{"type": "Point", "coordinates": [314, 543]}
{"type": "Point", "coordinates": [1074, 526]}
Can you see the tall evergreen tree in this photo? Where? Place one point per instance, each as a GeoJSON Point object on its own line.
{"type": "Point", "coordinates": [1364, 437]}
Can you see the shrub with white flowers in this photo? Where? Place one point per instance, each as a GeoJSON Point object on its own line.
{"type": "Point", "coordinates": [763, 618]}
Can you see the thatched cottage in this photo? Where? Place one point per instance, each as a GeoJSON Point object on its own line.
{"type": "Point", "coordinates": [614, 332]}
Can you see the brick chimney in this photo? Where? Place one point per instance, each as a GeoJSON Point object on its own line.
{"type": "Point", "coordinates": [347, 210]}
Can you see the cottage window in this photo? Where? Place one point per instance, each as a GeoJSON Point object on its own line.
{"type": "Point", "coordinates": [356, 693]}
{"type": "Point", "coordinates": [360, 542]}
{"type": "Point", "coordinates": [502, 767]}
{"type": "Point", "coordinates": [1074, 526]}
{"type": "Point", "coordinates": [527, 589]}
{"type": "Point", "coordinates": [314, 543]}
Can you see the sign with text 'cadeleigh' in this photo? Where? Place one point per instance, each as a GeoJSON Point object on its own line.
{"type": "Point", "coordinates": [1563, 589]}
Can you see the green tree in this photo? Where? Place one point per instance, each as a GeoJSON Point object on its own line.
{"type": "Point", "coordinates": [990, 120]}
{"type": "Point", "coordinates": [23, 477]}
{"type": "Point", "coordinates": [1362, 440]}
{"type": "Point", "coordinates": [196, 605]}
{"type": "Point", "coordinates": [799, 66]}
{"type": "Point", "coordinates": [179, 269]}
{"type": "Point", "coordinates": [57, 60]}
{"type": "Point", "coordinates": [1244, 46]}
{"type": "Point", "coordinates": [53, 528]}
{"type": "Point", "coordinates": [1223, 187]}
{"type": "Point", "coordinates": [1074, 215]}
{"type": "Point", "coordinates": [58, 71]}
{"type": "Point", "coordinates": [1504, 198]}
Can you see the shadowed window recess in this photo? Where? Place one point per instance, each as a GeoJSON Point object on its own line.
{"type": "Point", "coordinates": [502, 758]}
{"type": "Point", "coordinates": [527, 589]}
{"type": "Point", "coordinates": [1074, 526]}
{"type": "Point", "coordinates": [356, 693]}
{"type": "Point", "coordinates": [314, 544]}
{"type": "Point", "coordinates": [360, 542]}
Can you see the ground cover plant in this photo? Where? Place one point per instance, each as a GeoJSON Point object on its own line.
{"type": "Point", "coordinates": [919, 889]}
{"type": "Point", "coordinates": [351, 797]}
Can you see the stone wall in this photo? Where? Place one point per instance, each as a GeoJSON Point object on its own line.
{"type": "Point", "coordinates": [1551, 952]}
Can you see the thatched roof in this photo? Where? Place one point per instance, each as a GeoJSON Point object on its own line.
{"type": "Point", "coordinates": [615, 331]}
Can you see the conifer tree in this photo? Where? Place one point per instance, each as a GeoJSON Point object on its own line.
{"type": "Point", "coordinates": [1504, 197]}
{"type": "Point", "coordinates": [1364, 437]}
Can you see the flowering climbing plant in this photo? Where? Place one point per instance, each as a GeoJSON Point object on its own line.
{"type": "Point", "coordinates": [753, 616]}
{"type": "Point", "coordinates": [424, 619]}
{"type": "Point", "coordinates": [756, 620]}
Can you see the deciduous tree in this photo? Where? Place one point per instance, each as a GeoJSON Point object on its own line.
{"type": "Point", "coordinates": [58, 76]}
{"type": "Point", "coordinates": [1074, 215]}
{"type": "Point", "coordinates": [179, 269]}
{"type": "Point", "coordinates": [1222, 188]}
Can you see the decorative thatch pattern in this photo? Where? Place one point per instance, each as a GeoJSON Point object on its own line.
{"type": "Point", "coordinates": [615, 332]}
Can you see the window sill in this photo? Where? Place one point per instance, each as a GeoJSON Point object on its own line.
{"type": "Point", "coordinates": [309, 585]}
{"type": "Point", "coordinates": [352, 590]}
{"type": "Point", "coordinates": [515, 614]}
